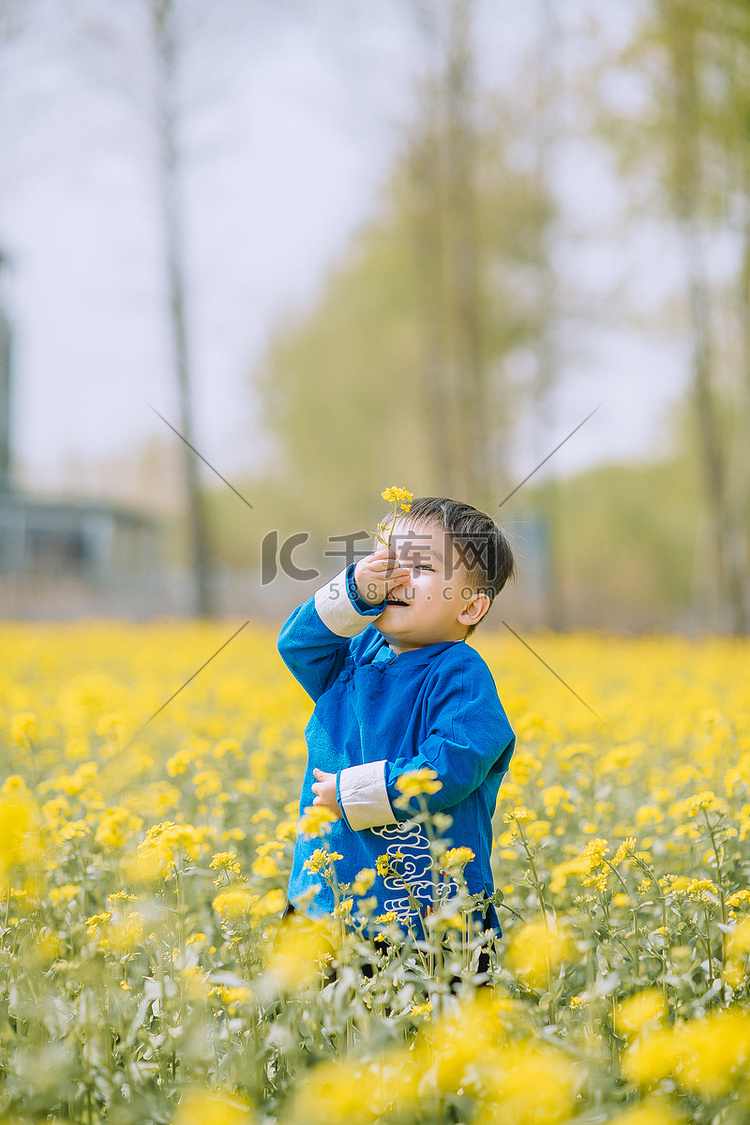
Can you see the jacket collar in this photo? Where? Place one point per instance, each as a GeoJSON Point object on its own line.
{"type": "Point", "coordinates": [413, 656]}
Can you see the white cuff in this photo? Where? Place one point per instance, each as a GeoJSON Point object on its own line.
{"type": "Point", "coordinates": [364, 797]}
{"type": "Point", "coordinates": [336, 611]}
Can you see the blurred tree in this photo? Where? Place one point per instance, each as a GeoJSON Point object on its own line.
{"type": "Point", "coordinates": [162, 21]}
{"type": "Point", "coordinates": [549, 131]}
{"type": "Point", "coordinates": [626, 562]}
{"type": "Point", "coordinates": [683, 27]}
{"type": "Point", "coordinates": [697, 137]}
{"type": "Point", "coordinates": [443, 171]}
{"type": "Point", "coordinates": [14, 18]}
{"type": "Point", "coordinates": [399, 373]}
{"type": "Point", "coordinates": [455, 219]}
{"type": "Point", "coordinates": [146, 51]}
{"type": "Point", "coordinates": [6, 393]}
{"type": "Point", "coordinates": [729, 127]}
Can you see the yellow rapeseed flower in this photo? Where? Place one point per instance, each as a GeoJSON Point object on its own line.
{"type": "Point", "coordinates": [199, 1107]}
{"type": "Point", "coordinates": [738, 940]}
{"type": "Point", "coordinates": [273, 902]}
{"type": "Point", "coordinates": [180, 761]}
{"type": "Point", "coordinates": [535, 951]}
{"type": "Point", "coordinates": [124, 934]}
{"type": "Point", "coordinates": [418, 782]}
{"type": "Point", "coordinates": [163, 846]}
{"type": "Point", "coordinates": [235, 902]}
{"type": "Point", "coordinates": [24, 728]}
{"type": "Point", "coordinates": [643, 1011]}
{"type": "Point", "coordinates": [302, 947]}
{"type": "Point", "coordinates": [455, 859]}
{"type": "Point", "coordinates": [265, 867]}
{"type": "Point", "coordinates": [626, 850]}
{"type": "Point", "coordinates": [654, 1112]}
{"type": "Point", "coordinates": [706, 1056]}
{"type": "Point", "coordinates": [95, 922]}
{"type": "Point", "coordinates": [555, 797]}
{"type": "Point", "coordinates": [364, 881]}
{"type": "Point", "coordinates": [64, 894]}
{"type": "Point", "coordinates": [225, 861]}
{"type": "Point", "coordinates": [316, 820]}
{"type": "Point", "coordinates": [519, 815]}
{"type": "Point", "coordinates": [232, 998]}
{"type": "Point", "coordinates": [347, 1092]}
{"type": "Point", "coordinates": [116, 826]}
{"type": "Point", "coordinates": [207, 783]}
{"type": "Point", "coordinates": [692, 806]}
{"type": "Point", "coordinates": [19, 826]}
{"type": "Point", "coordinates": [529, 1084]}
{"type": "Point", "coordinates": [396, 495]}
{"type": "Point", "coordinates": [322, 861]}
{"type": "Point", "coordinates": [401, 499]}
{"type": "Point", "coordinates": [228, 746]}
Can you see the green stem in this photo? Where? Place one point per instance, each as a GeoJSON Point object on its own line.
{"type": "Point", "coordinates": [536, 881]}
{"type": "Point", "coordinates": [511, 910]}
{"type": "Point", "coordinates": [634, 911]}
{"type": "Point", "coordinates": [719, 883]}
{"type": "Point", "coordinates": [662, 898]}
{"type": "Point", "coordinates": [625, 887]}
{"type": "Point", "coordinates": [708, 947]}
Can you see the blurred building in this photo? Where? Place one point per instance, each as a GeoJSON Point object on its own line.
{"type": "Point", "coordinates": [66, 558]}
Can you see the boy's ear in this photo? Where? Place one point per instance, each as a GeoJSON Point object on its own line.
{"type": "Point", "coordinates": [474, 610]}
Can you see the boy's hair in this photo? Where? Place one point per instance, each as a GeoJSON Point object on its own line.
{"type": "Point", "coordinates": [481, 545]}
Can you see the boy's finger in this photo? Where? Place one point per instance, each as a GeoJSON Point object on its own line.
{"type": "Point", "coordinates": [391, 586]}
{"type": "Point", "coordinates": [390, 566]}
{"type": "Point", "coordinates": [400, 576]}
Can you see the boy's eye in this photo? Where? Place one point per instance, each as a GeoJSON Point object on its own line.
{"type": "Point", "coordinates": [423, 566]}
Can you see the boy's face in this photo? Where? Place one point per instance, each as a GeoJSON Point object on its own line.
{"type": "Point", "coordinates": [436, 602]}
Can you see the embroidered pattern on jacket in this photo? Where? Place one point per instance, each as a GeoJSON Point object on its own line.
{"type": "Point", "coordinates": [410, 842]}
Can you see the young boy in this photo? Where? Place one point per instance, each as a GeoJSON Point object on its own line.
{"type": "Point", "coordinates": [381, 651]}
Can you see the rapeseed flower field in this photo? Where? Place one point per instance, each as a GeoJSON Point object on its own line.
{"type": "Point", "coordinates": [145, 976]}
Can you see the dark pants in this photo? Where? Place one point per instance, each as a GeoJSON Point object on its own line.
{"type": "Point", "coordinates": [368, 969]}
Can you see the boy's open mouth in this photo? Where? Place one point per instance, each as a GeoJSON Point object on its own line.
{"type": "Point", "coordinates": [396, 601]}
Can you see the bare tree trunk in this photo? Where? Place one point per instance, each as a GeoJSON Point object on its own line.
{"type": "Point", "coordinates": [425, 210]}
{"type": "Point", "coordinates": [162, 13]}
{"type": "Point", "coordinates": [739, 545]}
{"type": "Point", "coordinates": [462, 252]}
{"type": "Point", "coordinates": [447, 258]}
{"type": "Point", "coordinates": [548, 359]}
{"type": "Point", "coordinates": [6, 389]}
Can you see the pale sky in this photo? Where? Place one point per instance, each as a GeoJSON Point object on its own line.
{"type": "Point", "coordinates": [286, 155]}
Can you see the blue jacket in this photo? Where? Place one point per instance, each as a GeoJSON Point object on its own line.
{"type": "Point", "coordinates": [377, 716]}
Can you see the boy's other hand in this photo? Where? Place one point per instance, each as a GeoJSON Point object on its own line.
{"type": "Point", "coordinates": [379, 574]}
{"type": "Point", "coordinates": [324, 788]}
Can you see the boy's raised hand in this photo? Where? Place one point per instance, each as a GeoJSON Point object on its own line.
{"type": "Point", "coordinates": [379, 574]}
